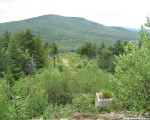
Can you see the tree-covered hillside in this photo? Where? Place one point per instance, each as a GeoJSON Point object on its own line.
{"type": "Point", "coordinates": [70, 32]}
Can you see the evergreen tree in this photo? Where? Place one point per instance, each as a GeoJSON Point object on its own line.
{"type": "Point", "coordinates": [88, 50]}
{"type": "Point", "coordinates": [47, 48]}
{"type": "Point", "coordinates": [101, 48]}
{"type": "Point", "coordinates": [4, 41]}
{"type": "Point", "coordinates": [26, 40]}
{"type": "Point", "coordinates": [107, 55]}
{"type": "Point", "coordinates": [38, 52]}
{"type": "Point", "coordinates": [2, 56]}
{"type": "Point", "coordinates": [16, 58]}
{"type": "Point", "coordinates": [105, 58]}
{"type": "Point", "coordinates": [33, 49]}
{"type": "Point", "coordinates": [118, 48]}
{"type": "Point", "coordinates": [54, 48]}
{"type": "Point", "coordinates": [21, 54]}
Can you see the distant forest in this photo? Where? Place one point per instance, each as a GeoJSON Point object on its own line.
{"type": "Point", "coordinates": [70, 32]}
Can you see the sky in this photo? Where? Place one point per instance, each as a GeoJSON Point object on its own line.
{"type": "Point", "coordinates": [125, 13]}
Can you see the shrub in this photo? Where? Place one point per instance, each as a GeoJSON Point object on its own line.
{"type": "Point", "coordinates": [60, 68]}
{"type": "Point", "coordinates": [35, 104]}
{"type": "Point", "coordinates": [132, 75]}
{"type": "Point", "coordinates": [56, 112]}
{"type": "Point", "coordinates": [4, 111]}
{"type": "Point", "coordinates": [83, 103]}
{"type": "Point", "coordinates": [106, 93]}
{"type": "Point", "coordinates": [79, 66]}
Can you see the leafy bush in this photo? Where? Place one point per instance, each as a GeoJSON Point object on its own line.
{"type": "Point", "coordinates": [56, 93]}
{"type": "Point", "coordinates": [107, 94]}
{"type": "Point", "coordinates": [132, 76]}
{"type": "Point", "coordinates": [35, 104]}
{"type": "Point", "coordinates": [83, 103]}
{"type": "Point", "coordinates": [4, 108]}
{"type": "Point", "coordinates": [79, 66]}
{"type": "Point", "coordinates": [85, 63]}
{"type": "Point", "coordinates": [60, 68]}
{"type": "Point", "coordinates": [56, 85]}
{"type": "Point", "coordinates": [56, 112]}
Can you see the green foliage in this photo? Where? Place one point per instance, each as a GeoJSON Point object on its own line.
{"type": "Point", "coordinates": [61, 67]}
{"type": "Point", "coordinates": [53, 48]}
{"type": "Point", "coordinates": [105, 58]}
{"type": "Point", "coordinates": [21, 54]}
{"type": "Point", "coordinates": [90, 79]}
{"type": "Point", "coordinates": [9, 78]}
{"type": "Point", "coordinates": [15, 55]}
{"type": "Point", "coordinates": [32, 45]}
{"type": "Point", "coordinates": [106, 55]}
{"type": "Point", "coordinates": [4, 41]}
{"type": "Point", "coordinates": [148, 22]}
{"type": "Point", "coordinates": [6, 108]}
{"type": "Point", "coordinates": [39, 53]}
{"type": "Point", "coordinates": [119, 47]}
{"type": "Point", "coordinates": [70, 32]}
{"type": "Point", "coordinates": [88, 50]}
{"type": "Point", "coordinates": [132, 76]}
{"type": "Point", "coordinates": [83, 103]}
{"type": "Point", "coordinates": [3, 108]}
{"type": "Point", "coordinates": [70, 87]}
{"type": "Point", "coordinates": [61, 91]}
{"type": "Point", "coordinates": [49, 112]}
{"type": "Point", "coordinates": [107, 94]}
{"type": "Point", "coordinates": [55, 85]}
{"type": "Point", "coordinates": [29, 99]}
{"type": "Point", "coordinates": [35, 104]}
{"type": "Point", "coordinates": [57, 112]}
{"type": "Point", "coordinates": [101, 48]}
{"type": "Point", "coordinates": [6, 37]}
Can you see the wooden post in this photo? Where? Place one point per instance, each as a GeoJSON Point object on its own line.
{"type": "Point", "coordinates": [54, 61]}
{"type": "Point", "coordinates": [54, 57]}
{"type": "Point", "coordinates": [58, 58]}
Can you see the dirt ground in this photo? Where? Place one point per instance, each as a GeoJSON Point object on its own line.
{"type": "Point", "coordinates": [108, 116]}
{"type": "Point", "coordinates": [79, 116]}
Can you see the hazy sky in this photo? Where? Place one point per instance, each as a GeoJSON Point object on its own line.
{"type": "Point", "coordinates": [127, 13]}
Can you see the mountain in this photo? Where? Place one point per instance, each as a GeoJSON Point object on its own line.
{"type": "Point", "coordinates": [70, 32]}
{"type": "Point", "coordinates": [133, 29]}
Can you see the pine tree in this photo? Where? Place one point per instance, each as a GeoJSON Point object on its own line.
{"type": "Point", "coordinates": [33, 49]}
{"type": "Point", "coordinates": [88, 50]}
{"type": "Point", "coordinates": [26, 41]}
{"type": "Point", "coordinates": [38, 52]}
{"type": "Point", "coordinates": [21, 54]}
{"type": "Point", "coordinates": [4, 41]}
{"type": "Point", "coordinates": [16, 58]}
{"type": "Point", "coordinates": [105, 58]}
{"type": "Point", "coordinates": [101, 48]}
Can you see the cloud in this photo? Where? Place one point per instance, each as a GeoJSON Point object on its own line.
{"type": "Point", "coordinates": [108, 12]}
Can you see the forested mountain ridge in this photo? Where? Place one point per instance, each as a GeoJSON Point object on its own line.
{"type": "Point", "coordinates": [70, 32]}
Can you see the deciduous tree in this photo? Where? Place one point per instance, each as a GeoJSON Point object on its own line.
{"type": "Point", "coordinates": [133, 75]}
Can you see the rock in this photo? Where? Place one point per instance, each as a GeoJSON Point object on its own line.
{"type": "Point", "coordinates": [147, 114]}
{"type": "Point", "coordinates": [101, 101]}
{"type": "Point", "coordinates": [64, 119]}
